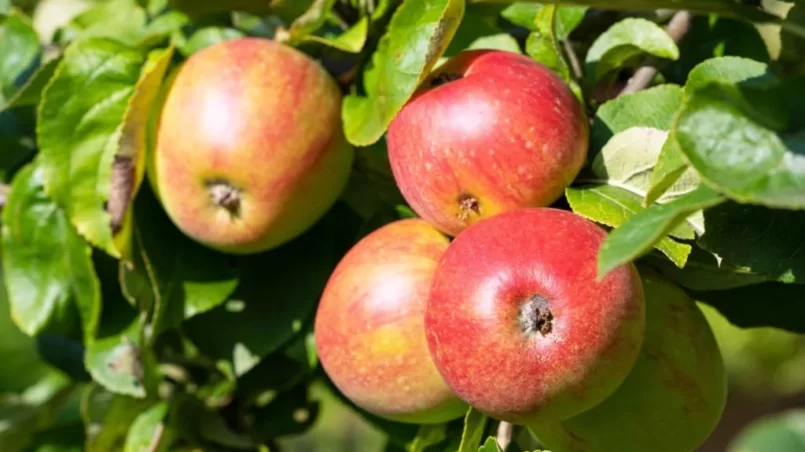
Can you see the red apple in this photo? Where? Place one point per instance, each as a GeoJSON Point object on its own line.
{"type": "Point", "coordinates": [672, 399]}
{"type": "Point", "coordinates": [518, 324]}
{"type": "Point", "coordinates": [488, 132]}
{"type": "Point", "coordinates": [369, 326]}
{"type": "Point", "coordinates": [250, 149]}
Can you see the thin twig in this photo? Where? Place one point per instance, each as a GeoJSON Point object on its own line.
{"type": "Point", "coordinates": [504, 436]}
{"type": "Point", "coordinates": [574, 59]}
{"type": "Point", "coordinates": [642, 78]}
{"type": "Point", "coordinates": [3, 193]}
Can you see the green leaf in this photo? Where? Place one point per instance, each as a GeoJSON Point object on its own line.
{"type": "Point", "coordinates": [627, 160]}
{"type": "Point", "coordinates": [613, 206]}
{"type": "Point", "coordinates": [108, 417]}
{"type": "Point", "coordinates": [671, 166]}
{"type": "Point", "coordinates": [760, 305]}
{"type": "Point", "coordinates": [149, 433]}
{"type": "Point", "coordinates": [206, 37]}
{"type": "Point", "coordinates": [728, 134]}
{"type": "Point", "coordinates": [474, 427]}
{"type": "Point", "coordinates": [672, 163]}
{"type": "Point", "coordinates": [19, 52]}
{"type": "Point", "coordinates": [654, 107]}
{"type": "Point", "coordinates": [121, 20]}
{"type": "Point", "coordinates": [428, 435]}
{"type": "Point", "coordinates": [567, 17]}
{"type": "Point", "coordinates": [352, 40]}
{"type": "Point", "coordinates": [757, 239]}
{"type": "Point", "coordinates": [637, 235]}
{"type": "Point", "coordinates": [182, 278]}
{"type": "Point", "coordinates": [5, 7]}
{"type": "Point", "coordinates": [128, 168]}
{"type": "Point", "coordinates": [17, 351]}
{"type": "Point", "coordinates": [417, 35]}
{"type": "Point", "coordinates": [543, 46]}
{"type": "Point", "coordinates": [491, 445]}
{"type": "Point", "coordinates": [165, 25]}
{"type": "Point", "coordinates": [277, 296]}
{"type": "Point", "coordinates": [725, 69]}
{"type": "Point", "coordinates": [47, 266]}
{"type": "Point", "coordinates": [118, 358]}
{"type": "Point", "coordinates": [80, 122]}
{"type": "Point", "coordinates": [313, 19]}
{"type": "Point", "coordinates": [780, 432]}
{"type": "Point", "coordinates": [31, 92]}
{"type": "Point", "coordinates": [118, 361]}
{"type": "Point", "coordinates": [625, 40]}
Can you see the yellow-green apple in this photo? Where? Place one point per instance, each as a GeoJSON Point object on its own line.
{"type": "Point", "coordinates": [250, 150]}
{"type": "Point", "coordinates": [369, 325]}
{"type": "Point", "coordinates": [487, 132]}
{"type": "Point", "coordinates": [672, 399]}
{"type": "Point", "coordinates": [519, 325]}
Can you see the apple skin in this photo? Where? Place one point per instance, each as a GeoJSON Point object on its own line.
{"type": "Point", "coordinates": [494, 341]}
{"type": "Point", "coordinates": [250, 150]}
{"type": "Point", "coordinates": [369, 327]}
{"type": "Point", "coordinates": [672, 399]}
{"type": "Point", "coordinates": [508, 134]}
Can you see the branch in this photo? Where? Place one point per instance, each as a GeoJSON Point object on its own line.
{"type": "Point", "coordinates": [504, 436]}
{"type": "Point", "coordinates": [642, 78]}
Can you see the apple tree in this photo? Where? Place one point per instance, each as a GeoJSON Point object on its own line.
{"type": "Point", "coordinates": [222, 221]}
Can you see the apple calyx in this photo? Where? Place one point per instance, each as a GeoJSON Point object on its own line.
{"type": "Point", "coordinates": [536, 316]}
{"type": "Point", "coordinates": [225, 195]}
{"type": "Point", "coordinates": [468, 205]}
{"type": "Point", "coordinates": [445, 77]}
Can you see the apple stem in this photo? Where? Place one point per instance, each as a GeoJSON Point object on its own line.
{"type": "Point", "coordinates": [445, 77]}
{"type": "Point", "coordinates": [225, 195]}
{"type": "Point", "coordinates": [536, 316]}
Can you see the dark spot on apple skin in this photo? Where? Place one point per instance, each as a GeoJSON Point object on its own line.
{"type": "Point", "coordinates": [225, 195]}
{"type": "Point", "coordinates": [443, 78]}
{"type": "Point", "coordinates": [468, 206]}
{"type": "Point", "coordinates": [536, 316]}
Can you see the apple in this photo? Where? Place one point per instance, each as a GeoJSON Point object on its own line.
{"type": "Point", "coordinates": [487, 132]}
{"type": "Point", "coordinates": [672, 399]}
{"type": "Point", "coordinates": [519, 325]}
{"type": "Point", "coordinates": [250, 150]}
{"type": "Point", "coordinates": [369, 327]}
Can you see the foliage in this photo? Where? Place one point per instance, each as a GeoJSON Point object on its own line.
{"type": "Point", "coordinates": [135, 337]}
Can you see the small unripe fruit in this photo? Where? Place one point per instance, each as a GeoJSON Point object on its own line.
{"type": "Point", "coordinates": [369, 326]}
